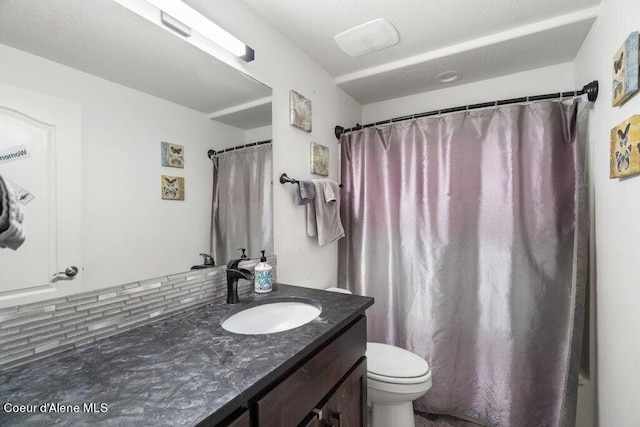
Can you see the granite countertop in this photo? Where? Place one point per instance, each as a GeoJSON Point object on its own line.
{"type": "Point", "coordinates": [178, 371]}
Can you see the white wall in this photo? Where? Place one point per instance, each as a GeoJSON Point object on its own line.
{"type": "Point", "coordinates": [129, 233]}
{"type": "Point", "coordinates": [283, 66]}
{"type": "Point", "coordinates": [279, 64]}
{"type": "Point", "coordinates": [616, 206]}
{"type": "Point", "coordinates": [539, 81]}
{"type": "Point", "coordinates": [258, 134]}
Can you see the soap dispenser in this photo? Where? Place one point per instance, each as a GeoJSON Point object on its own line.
{"type": "Point", "coordinates": [263, 278]}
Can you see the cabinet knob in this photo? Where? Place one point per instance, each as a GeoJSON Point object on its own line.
{"type": "Point", "coordinates": [337, 416]}
{"type": "Point", "coordinates": [318, 412]}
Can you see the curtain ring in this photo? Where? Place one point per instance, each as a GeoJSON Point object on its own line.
{"type": "Point", "coordinates": [495, 105]}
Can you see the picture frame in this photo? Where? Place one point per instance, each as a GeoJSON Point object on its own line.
{"type": "Point", "coordinates": [300, 111]}
{"type": "Point", "coordinates": [625, 70]}
{"type": "Point", "coordinates": [625, 148]}
{"type": "Point", "coordinates": [172, 155]}
{"type": "Point", "coordinates": [319, 159]}
{"type": "Point", "coordinates": [172, 187]}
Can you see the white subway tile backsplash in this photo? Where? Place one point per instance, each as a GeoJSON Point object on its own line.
{"type": "Point", "coordinates": [47, 346]}
{"type": "Point", "coordinates": [33, 331]}
{"type": "Point", "coordinates": [107, 296]}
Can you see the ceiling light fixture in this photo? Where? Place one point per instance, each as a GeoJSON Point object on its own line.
{"type": "Point", "coordinates": [449, 76]}
{"type": "Point", "coordinates": [185, 20]}
{"type": "Point", "coordinates": [367, 38]}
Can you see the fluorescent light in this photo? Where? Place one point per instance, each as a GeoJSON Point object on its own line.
{"type": "Point", "coordinates": [183, 19]}
{"type": "Point", "coordinates": [175, 25]}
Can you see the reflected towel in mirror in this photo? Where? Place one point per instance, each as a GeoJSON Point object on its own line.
{"type": "Point", "coordinates": [12, 233]}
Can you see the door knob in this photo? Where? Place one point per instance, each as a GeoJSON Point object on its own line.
{"type": "Point", "coordinates": [69, 272]}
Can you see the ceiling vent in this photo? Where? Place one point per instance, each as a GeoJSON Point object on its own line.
{"type": "Point", "coordinates": [366, 38]}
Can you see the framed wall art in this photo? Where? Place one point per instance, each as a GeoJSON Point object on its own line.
{"type": "Point", "coordinates": [172, 187]}
{"type": "Point", "coordinates": [625, 148]}
{"type": "Point", "coordinates": [319, 159]}
{"type": "Point", "coordinates": [299, 111]}
{"type": "Point", "coordinates": [625, 70]}
{"type": "Point", "coordinates": [172, 155]}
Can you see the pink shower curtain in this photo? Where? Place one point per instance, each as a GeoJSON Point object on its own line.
{"type": "Point", "coordinates": [242, 203]}
{"type": "Point", "coordinates": [470, 232]}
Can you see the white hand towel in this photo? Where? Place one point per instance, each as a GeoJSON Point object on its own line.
{"type": "Point", "coordinates": [327, 211]}
{"type": "Point", "coordinates": [12, 234]}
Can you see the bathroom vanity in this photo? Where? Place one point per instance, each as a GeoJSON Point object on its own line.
{"type": "Point", "coordinates": [188, 370]}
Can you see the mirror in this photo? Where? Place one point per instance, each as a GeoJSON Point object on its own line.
{"type": "Point", "coordinates": [135, 86]}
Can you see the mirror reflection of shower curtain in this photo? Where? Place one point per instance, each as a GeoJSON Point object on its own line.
{"type": "Point", "coordinates": [470, 231]}
{"type": "Point", "coordinates": [242, 211]}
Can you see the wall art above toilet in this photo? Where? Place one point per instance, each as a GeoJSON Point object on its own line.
{"type": "Point", "coordinates": [172, 187]}
{"type": "Point", "coordinates": [299, 111]}
{"type": "Point", "coordinates": [625, 70]}
{"type": "Point", "coordinates": [625, 148]}
{"type": "Point", "coordinates": [172, 155]}
{"type": "Point", "coordinates": [319, 159]}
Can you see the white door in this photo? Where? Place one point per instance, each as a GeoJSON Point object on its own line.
{"type": "Point", "coordinates": [45, 133]}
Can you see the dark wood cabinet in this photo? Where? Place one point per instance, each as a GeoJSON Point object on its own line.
{"type": "Point", "coordinates": [327, 388]}
{"type": "Point", "coordinates": [242, 420]}
{"type": "Point", "coordinates": [346, 405]}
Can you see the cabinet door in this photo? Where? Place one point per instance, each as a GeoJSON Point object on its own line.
{"type": "Point", "coordinates": [244, 420]}
{"type": "Point", "coordinates": [293, 399]}
{"type": "Point", "coordinates": [347, 405]}
{"type": "Point", "coordinates": [45, 130]}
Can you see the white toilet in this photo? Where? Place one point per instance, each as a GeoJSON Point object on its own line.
{"type": "Point", "coordinates": [395, 378]}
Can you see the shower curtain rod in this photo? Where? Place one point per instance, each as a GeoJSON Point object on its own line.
{"type": "Point", "coordinates": [212, 153]}
{"type": "Point", "coordinates": [591, 89]}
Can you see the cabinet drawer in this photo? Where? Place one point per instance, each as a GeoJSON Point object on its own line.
{"type": "Point", "coordinates": [296, 396]}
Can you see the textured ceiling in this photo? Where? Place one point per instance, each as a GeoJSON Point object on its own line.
{"type": "Point", "coordinates": [535, 32]}
{"type": "Point", "coordinates": [103, 38]}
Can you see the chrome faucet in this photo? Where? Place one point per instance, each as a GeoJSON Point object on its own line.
{"type": "Point", "coordinates": [233, 274]}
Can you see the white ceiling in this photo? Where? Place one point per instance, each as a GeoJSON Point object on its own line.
{"type": "Point", "coordinates": [480, 38]}
{"type": "Point", "coordinates": [102, 38]}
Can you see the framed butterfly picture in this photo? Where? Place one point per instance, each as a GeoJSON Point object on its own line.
{"type": "Point", "coordinates": [172, 155]}
{"type": "Point", "coordinates": [172, 187]}
{"type": "Point", "coordinates": [625, 148]}
{"type": "Point", "coordinates": [625, 70]}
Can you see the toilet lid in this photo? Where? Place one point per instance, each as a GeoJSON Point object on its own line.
{"type": "Point", "coordinates": [393, 364]}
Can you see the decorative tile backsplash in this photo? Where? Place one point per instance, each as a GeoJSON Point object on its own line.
{"type": "Point", "coordinates": [33, 331]}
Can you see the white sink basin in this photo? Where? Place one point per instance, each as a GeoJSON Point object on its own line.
{"type": "Point", "coordinates": [271, 317]}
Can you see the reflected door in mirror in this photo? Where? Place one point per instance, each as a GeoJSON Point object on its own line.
{"type": "Point", "coordinates": [32, 129]}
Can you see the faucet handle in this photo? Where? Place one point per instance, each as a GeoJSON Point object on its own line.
{"type": "Point", "coordinates": [208, 259]}
{"type": "Point", "coordinates": [233, 264]}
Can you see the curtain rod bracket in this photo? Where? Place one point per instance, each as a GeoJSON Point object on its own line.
{"type": "Point", "coordinates": [211, 154]}
{"type": "Point", "coordinates": [591, 89]}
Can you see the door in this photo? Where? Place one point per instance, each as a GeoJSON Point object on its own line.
{"type": "Point", "coordinates": [40, 138]}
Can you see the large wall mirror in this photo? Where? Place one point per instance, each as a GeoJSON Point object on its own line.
{"type": "Point", "coordinates": [104, 88]}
